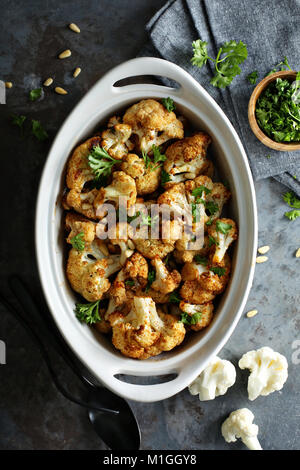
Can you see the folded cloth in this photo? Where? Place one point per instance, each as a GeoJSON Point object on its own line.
{"type": "Point", "coordinates": [269, 28]}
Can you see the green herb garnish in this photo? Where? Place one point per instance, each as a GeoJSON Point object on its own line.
{"type": "Point", "coordinates": [18, 121]}
{"type": "Point", "coordinates": [283, 65]}
{"type": "Point", "coordinates": [168, 104]}
{"type": "Point", "coordinates": [78, 242]}
{"type": "Point", "coordinates": [211, 206]}
{"type": "Point", "coordinates": [157, 159]}
{"type": "Point", "coordinates": [277, 111]}
{"type": "Point", "coordinates": [35, 94]}
{"type": "Point", "coordinates": [201, 260]}
{"type": "Point", "coordinates": [151, 278]}
{"type": "Point", "coordinates": [148, 220]}
{"type": "Point", "coordinates": [174, 297]}
{"type": "Point", "coordinates": [223, 227]}
{"type": "Point", "coordinates": [88, 313]}
{"type": "Point", "coordinates": [218, 270]}
{"type": "Point", "coordinates": [190, 319]}
{"type": "Point", "coordinates": [198, 192]}
{"type": "Point", "coordinates": [101, 162]}
{"type": "Point", "coordinates": [252, 77]}
{"type": "Point", "coordinates": [212, 241]}
{"type": "Point", "coordinates": [129, 283]}
{"type": "Point", "coordinates": [164, 178]}
{"type": "Point", "coordinates": [130, 218]}
{"type": "Point", "coordinates": [227, 62]}
{"type": "Point", "coordinates": [38, 130]}
{"type": "Point", "coordinates": [292, 200]}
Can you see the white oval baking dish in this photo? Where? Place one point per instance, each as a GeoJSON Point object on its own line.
{"type": "Point", "coordinates": [96, 351]}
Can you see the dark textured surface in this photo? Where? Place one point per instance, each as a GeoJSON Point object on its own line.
{"type": "Point", "coordinates": [32, 413]}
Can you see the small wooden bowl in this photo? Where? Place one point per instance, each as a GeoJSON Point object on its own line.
{"type": "Point", "coordinates": [289, 75]}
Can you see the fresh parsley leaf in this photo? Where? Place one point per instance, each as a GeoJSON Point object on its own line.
{"type": "Point", "coordinates": [129, 283]}
{"type": "Point", "coordinates": [201, 260]}
{"type": "Point", "coordinates": [252, 77]}
{"type": "Point", "coordinates": [200, 56]}
{"type": "Point", "coordinates": [168, 104]}
{"type": "Point", "coordinates": [211, 206]}
{"type": "Point", "coordinates": [18, 120]}
{"type": "Point", "coordinates": [78, 242]}
{"type": "Point", "coordinates": [227, 62]}
{"type": "Point", "coordinates": [38, 130]}
{"type": "Point", "coordinates": [218, 270]}
{"type": "Point", "coordinates": [283, 65]}
{"type": "Point", "coordinates": [133, 217]}
{"type": "Point", "coordinates": [157, 158]}
{"type": "Point", "coordinates": [148, 220]}
{"type": "Point", "coordinates": [223, 227]}
{"type": "Point", "coordinates": [212, 241]}
{"type": "Point", "coordinates": [164, 177]}
{"type": "Point", "coordinates": [292, 200]}
{"type": "Point", "coordinates": [174, 297]}
{"type": "Point", "coordinates": [151, 278]}
{"type": "Point", "coordinates": [190, 319]}
{"type": "Point", "coordinates": [35, 94]}
{"type": "Point", "coordinates": [101, 162]}
{"type": "Point", "coordinates": [292, 215]}
{"type": "Point", "coordinates": [88, 313]}
{"type": "Point", "coordinates": [198, 192]}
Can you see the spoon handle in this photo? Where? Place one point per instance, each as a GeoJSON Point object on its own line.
{"type": "Point", "coordinates": [35, 337]}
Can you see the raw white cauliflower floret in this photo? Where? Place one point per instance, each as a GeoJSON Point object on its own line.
{"type": "Point", "coordinates": [186, 158]}
{"type": "Point", "coordinates": [152, 124]}
{"type": "Point", "coordinates": [214, 380]}
{"type": "Point", "coordinates": [240, 424]}
{"type": "Point", "coordinates": [269, 371]}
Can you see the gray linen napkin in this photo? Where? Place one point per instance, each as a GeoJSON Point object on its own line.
{"type": "Point", "coordinates": [269, 28]}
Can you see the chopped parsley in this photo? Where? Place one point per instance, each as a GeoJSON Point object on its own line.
{"type": "Point", "coordinates": [223, 227]}
{"type": "Point", "coordinates": [292, 200]}
{"type": "Point", "coordinates": [78, 242]}
{"type": "Point", "coordinates": [35, 94]}
{"type": "Point", "coordinates": [227, 62]}
{"type": "Point", "coordinates": [168, 104]}
{"type": "Point", "coordinates": [278, 111]}
{"type": "Point", "coordinates": [38, 130]}
{"type": "Point", "coordinates": [101, 162]}
{"type": "Point", "coordinates": [197, 192]}
{"type": "Point", "coordinates": [158, 158]}
{"type": "Point", "coordinates": [283, 65]}
{"type": "Point", "coordinates": [252, 77]}
{"type": "Point", "coordinates": [201, 260]}
{"type": "Point", "coordinates": [18, 121]}
{"type": "Point", "coordinates": [88, 313]}
{"type": "Point", "coordinates": [130, 218]}
{"type": "Point", "coordinates": [211, 206]}
{"type": "Point", "coordinates": [218, 270]}
{"type": "Point", "coordinates": [151, 278]}
{"type": "Point", "coordinates": [164, 178]}
{"type": "Point", "coordinates": [148, 220]}
{"type": "Point", "coordinates": [190, 319]}
{"type": "Point", "coordinates": [212, 241]}
{"type": "Point", "coordinates": [174, 297]}
{"type": "Point", "coordinates": [129, 283]}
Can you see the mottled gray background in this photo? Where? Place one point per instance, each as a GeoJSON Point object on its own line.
{"type": "Point", "coordinates": [32, 413]}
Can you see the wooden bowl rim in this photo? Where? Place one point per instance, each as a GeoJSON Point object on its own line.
{"type": "Point", "coordinates": [260, 87]}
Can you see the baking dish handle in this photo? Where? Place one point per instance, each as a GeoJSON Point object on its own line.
{"type": "Point", "coordinates": [146, 66]}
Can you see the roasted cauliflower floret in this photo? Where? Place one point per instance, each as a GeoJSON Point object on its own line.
{"type": "Point", "coordinates": [191, 292]}
{"type": "Point", "coordinates": [88, 271]}
{"type": "Point", "coordinates": [82, 202]}
{"type": "Point", "coordinates": [175, 198]}
{"type": "Point", "coordinates": [200, 315]}
{"type": "Point", "coordinates": [122, 190]}
{"type": "Point", "coordinates": [115, 140]}
{"type": "Point", "coordinates": [119, 235]}
{"type": "Point", "coordinates": [223, 232]}
{"type": "Point", "coordinates": [215, 200]}
{"type": "Point", "coordinates": [183, 255]}
{"type": "Point", "coordinates": [186, 158]}
{"type": "Point", "coordinates": [152, 124]}
{"type": "Point", "coordinates": [80, 225]}
{"type": "Point", "coordinates": [78, 171]}
{"type": "Point", "coordinates": [165, 281]}
{"type": "Point", "coordinates": [155, 247]}
{"type": "Point", "coordinates": [144, 332]}
{"type": "Point", "coordinates": [147, 180]}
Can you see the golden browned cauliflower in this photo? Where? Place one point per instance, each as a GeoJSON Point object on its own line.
{"type": "Point", "coordinates": [183, 255]}
{"type": "Point", "coordinates": [147, 180]}
{"type": "Point", "coordinates": [144, 332]}
{"type": "Point", "coordinates": [77, 224]}
{"type": "Point", "coordinates": [201, 315]}
{"type": "Point", "coordinates": [119, 236]}
{"type": "Point", "coordinates": [165, 281]}
{"type": "Point", "coordinates": [223, 232]}
{"type": "Point", "coordinates": [115, 140]}
{"type": "Point", "coordinates": [186, 158]}
{"type": "Point", "coordinates": [154, 247]}
{"type": "Point", "coordinates": [88, 271]}
{"type": "Point", "coordinates": [78, 169]}
{"type": "Point", "coordinates": [102, 326]}
{"type": "Point", "coordinates": [152, 124]}
{"type": "Point", "coordinates": [190, 291]}
{"type": "Point", "coordinates": [122, 186]}
{"type": "Point", "coordinates": [82, 202]}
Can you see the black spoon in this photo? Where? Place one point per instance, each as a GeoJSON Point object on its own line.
{"type": "Point", "coordinates": [119, 430]}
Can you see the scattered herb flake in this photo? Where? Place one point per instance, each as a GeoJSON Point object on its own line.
{"type": "Point", "coordinates": [223, 227]}
{"type": "Point", "coordinates": [168, 104]}
{"type": "Point", "coordinates": [252, 77]}
{"type": "Point", "coordinates": [78, 242]}
{"type": "Point", "coordinates": [38, 130]}
{"type": "Point", "coordinates": [35, 94]}
{"type": "Point", "coordinates": [218, 270]}
{"type": "Point", "coordinates": [88, 313]}
{"type": "Point", "coordinates": [190, 319]}
{"type": "Point", "coordinates": [101, 162]}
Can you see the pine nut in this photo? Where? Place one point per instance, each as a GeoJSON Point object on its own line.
{"type": "Point", "coordinates": [48, 82]}
{"type": "Point", "coordinates": [74, 28]}
{"type": "Point", "coordinates": [298, 253]}
{"type": "Point", "coordinates": [263, 249]}
{"type": "Point", "coordinates": [252, 313]}
{"type": "Point", "coordinates": [76, 72]}
{"type": "Point", "coordinates": [8, 84]}
{"type": "Point", "coordinates": [261, 259]}
{"type": "Point", "coordinates": [60, 91]}
{"type": "Point", "coordinates": [65, 54]}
